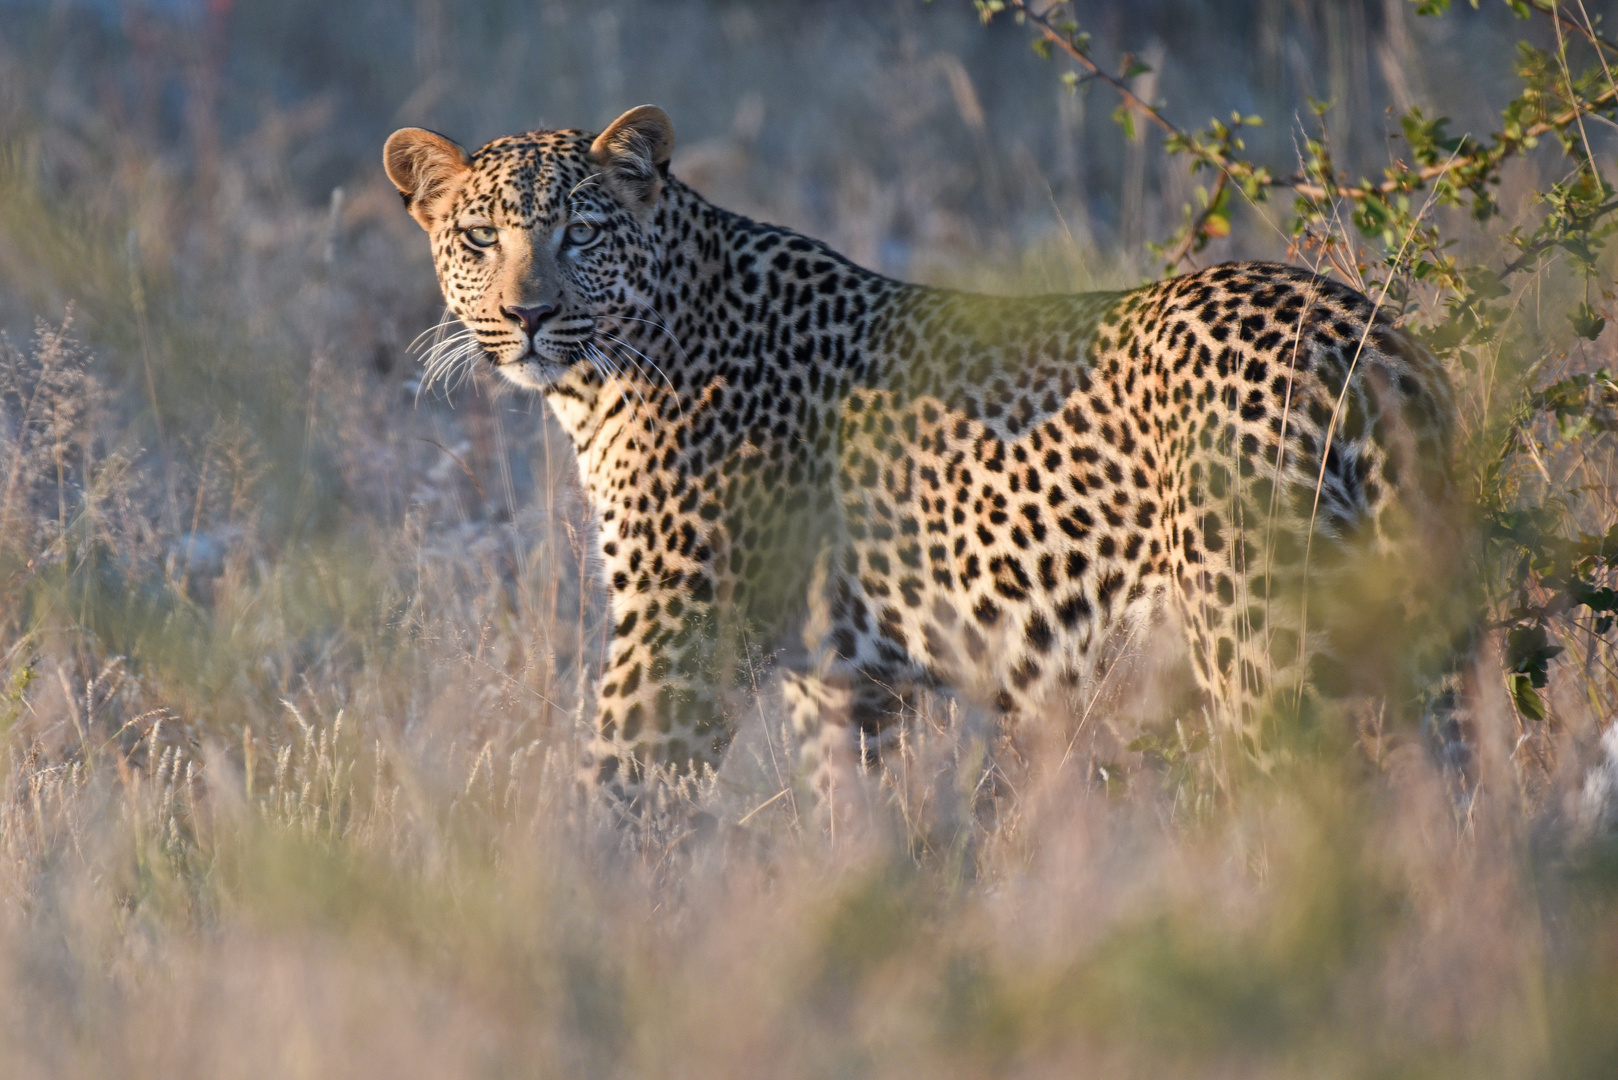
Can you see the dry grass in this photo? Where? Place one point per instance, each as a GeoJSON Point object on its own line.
{"type": "Point", "coordinates": [291, 661]}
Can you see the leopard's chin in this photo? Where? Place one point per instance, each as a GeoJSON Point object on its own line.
{"type": "Point", "coordinates": [532, 371]}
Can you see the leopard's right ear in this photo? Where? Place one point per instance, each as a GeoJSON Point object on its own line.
{"type": "Point", "coordinates": [426, 168]}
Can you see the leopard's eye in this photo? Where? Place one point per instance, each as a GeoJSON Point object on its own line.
{"type": "Point", "coordinates": [581, 233]}
{"type": "Point", "coordinates": [481, 235]}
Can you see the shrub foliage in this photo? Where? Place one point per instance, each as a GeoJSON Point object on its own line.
{"type": "Point", "coordinates": [1411, 240]}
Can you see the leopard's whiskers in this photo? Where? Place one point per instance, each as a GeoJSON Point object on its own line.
{"type": "Point", "coordinates": [657, 324]}
{"type": "Point", "coordinates": [607, 365]}
{"type": "Point", "coordinates": [448, 360]}
{"type": "Point", "coordinates": [660, 372]}
{"type": "Point", "coordinates": [435, 331]}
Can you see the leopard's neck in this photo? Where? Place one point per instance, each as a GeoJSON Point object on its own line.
{"type": "Point", "coordinates": [733, 303]}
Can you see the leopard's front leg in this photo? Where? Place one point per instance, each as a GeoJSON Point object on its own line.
{"type": "Point", "coordinates": [659, 705]}
{"type": "Point", "coordinates": [707, 555]}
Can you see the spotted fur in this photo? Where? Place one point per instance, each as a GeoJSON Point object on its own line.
{"type": "Point", "coordinates": [897, 487]}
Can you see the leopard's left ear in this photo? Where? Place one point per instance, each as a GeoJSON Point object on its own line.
{"type": "Point", "coordinates": [633, 154]}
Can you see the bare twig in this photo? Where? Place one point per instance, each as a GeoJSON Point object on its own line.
{"type": "Point", "coordinates": [1534, 250]}
{"type": "Point", "coordinates": [1188, 242]}
{"type": "Point", "coordinates": [1041, 19]}
{"type": "Point", "coordinates": [1406, 180]}
{"type": "Point", "coordinates": [1585, 29]}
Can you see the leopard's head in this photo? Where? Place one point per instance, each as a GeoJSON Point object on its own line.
{"type": "Point", "coordinates": [536, 237]}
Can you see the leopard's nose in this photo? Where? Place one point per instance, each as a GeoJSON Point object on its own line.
{"type": "Point", "coordinates": [529, 317]}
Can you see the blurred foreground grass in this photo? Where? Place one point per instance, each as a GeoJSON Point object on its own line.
{"type": "Point", "coordinates": [291, 656]}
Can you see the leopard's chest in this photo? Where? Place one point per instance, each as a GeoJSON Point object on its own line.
{"type": "Point", "coordinates": [724, 496]}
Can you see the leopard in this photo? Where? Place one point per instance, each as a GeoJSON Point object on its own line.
{"type": "Point", "coordinates": [888, 489]}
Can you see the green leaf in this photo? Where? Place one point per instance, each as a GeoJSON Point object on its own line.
{"type": "Point", "coordinates": [1486, 285]}
{"type": "Point", "coordinates": [1586, 323]}
{"type": "Point", "coordinates": [1529, 653]}
{"type": "Point", "coordinates": [1124, 116]}
{"type": "Point", "coordinates": [1526, 698]}
{"type": "Point", "coordinates": [1599, 599]}
{"type": "Point", "coordinates": [1146, 744]}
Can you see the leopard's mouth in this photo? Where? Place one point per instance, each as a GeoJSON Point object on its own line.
{"type": "Point", "coordinates": [562, 344]}
{"type": "Point", "coordinates": [539, 365]}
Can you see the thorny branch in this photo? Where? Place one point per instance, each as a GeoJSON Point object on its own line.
{"type": "Point", "coordinates": [1404, 180]}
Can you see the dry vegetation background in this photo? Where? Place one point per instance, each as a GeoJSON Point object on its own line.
{"type": "Point", "coordinates": [291, 658]}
